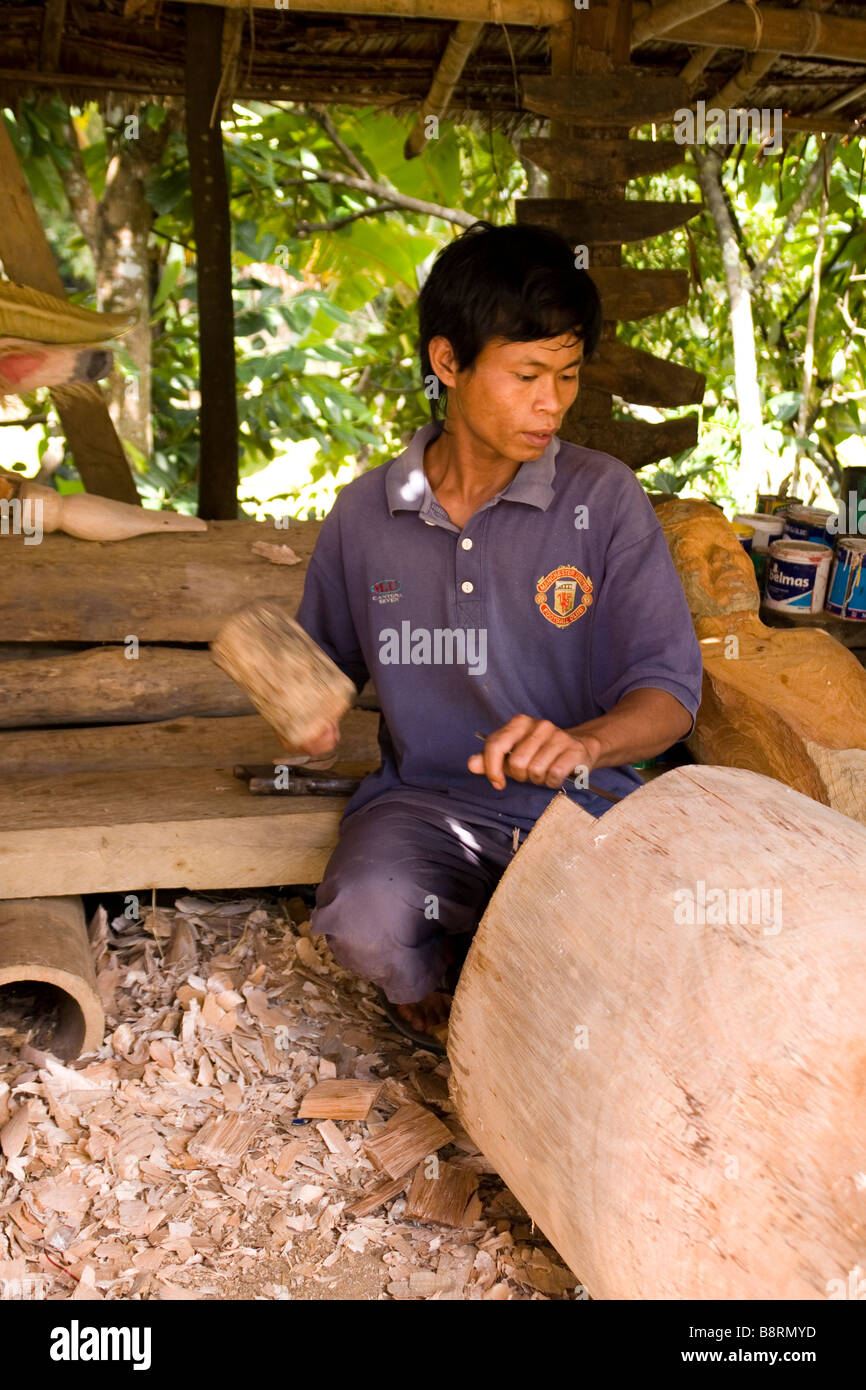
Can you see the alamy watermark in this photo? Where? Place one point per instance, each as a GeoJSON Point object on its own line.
{"type": "Point", "coordinates": [438, 646]}
{"type": "Point", "coordinates": [735, 907]}
{"type": "Point", "coordinates": [22, 517]}
{"type": "Point", "coordinates": [716, 126]}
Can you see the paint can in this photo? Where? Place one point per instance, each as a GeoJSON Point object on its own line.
{"type": "Point", "coordinates": [769, 503]}
{"type": "Point", "coordinates": [745, 535]}
{"type": "Point", "coordinates": [809, 524]}
{"type": "Point", "coordinates": [797, 576]}
{"type": "Point", "coordinates": [847, 594]}
{"type": "Point", "coordinates": [766, 528]}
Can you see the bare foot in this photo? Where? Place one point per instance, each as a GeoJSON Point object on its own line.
{"type": "Point", "coordinates": [427, 1014]}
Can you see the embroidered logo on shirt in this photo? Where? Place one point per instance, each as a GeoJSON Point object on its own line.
{"type": "Point", "coordinates": [386, 591]}
{"type": "Point", "coordinates": [565, 581]}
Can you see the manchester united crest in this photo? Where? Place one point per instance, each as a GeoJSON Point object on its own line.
{"type": "Point", "coordinates": [564, 595]}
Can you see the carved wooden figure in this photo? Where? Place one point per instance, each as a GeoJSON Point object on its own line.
{"type": "Point", "coordinates": [788, 703]}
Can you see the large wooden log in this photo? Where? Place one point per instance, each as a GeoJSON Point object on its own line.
{"type": "Point", "coordinates": [789, 703]}
{"type": "Point", "coordinates": [103, 686]}
{"type": "Point", "coordinates": [161, 588]}
{"type": "Point", "coordinates": [43, 942]}
{"type": "Point", "coordinates": [604, 161]}
{"type": "Point", "coordinates": [191, 741]}
{"type": "Point", "coordinates": [675, 1095]}
{"type": "Point", "coordinates": [588, 222]}
{"type": "Point", "coordinates": [625, 97]}
{"type": "Point", "coordinates": [642, 378]}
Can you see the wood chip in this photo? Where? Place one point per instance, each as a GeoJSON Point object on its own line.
{"type": "Point", "coordinates": [443, 1196]}
{"type": "Point", "coordinates": [222, 1143]}
{"type": "Point", "coordinates": [339, 1100]}
{"type": "Point", "coordinates": [13, 1135]}
{"type": "Point", "coordinates": [335, 1142]}
{"type": "Point", "coordinates": [377, 1196]}
{"type": "Point", "coordinates": [410, 1135]}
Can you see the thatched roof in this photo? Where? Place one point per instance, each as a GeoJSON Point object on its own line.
{"type": "Point", "coordinates": [302, 53]}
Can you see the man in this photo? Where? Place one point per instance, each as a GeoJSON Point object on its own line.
{"type": "Point", "coordinates": [491, 578]}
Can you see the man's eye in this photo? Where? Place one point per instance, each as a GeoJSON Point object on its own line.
{"type": "Point", "coordinates": [524, 378]}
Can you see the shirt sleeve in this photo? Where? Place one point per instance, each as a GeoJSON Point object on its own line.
{"type": "Point", "coordinates": [324, 611]}
{"type": "Point", "coordinates": [643, 635]}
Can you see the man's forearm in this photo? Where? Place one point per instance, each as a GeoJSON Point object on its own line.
{"type": "Point", "coordinates": [643, 723]}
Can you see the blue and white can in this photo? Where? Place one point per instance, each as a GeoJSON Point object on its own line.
{"type": "Point", "coordinates": [797, 576]}
{"type": "Point", "coordinates": [847, 595]}
{"type": "Point", "coordinates": [809, 524]}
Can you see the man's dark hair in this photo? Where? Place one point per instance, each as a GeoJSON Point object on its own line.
{"type": "Point", "coordinates": [517, 282]}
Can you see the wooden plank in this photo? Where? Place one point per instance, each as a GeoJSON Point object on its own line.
{"type": "Point", "coordinates": [604, 161]}
{"type": "Point", "coordinates": [187, 742]}
{"type": "Point", "coordinates": [340, 1099]}
{"type": "Point", "coordinates": [383, 1193]}
{"type": "Point", "coordinates": [706, 951]}
{"type": "Point", "coordinates": [161, 588]}
{"type": "Point", "coordinates": [28, 259]}
{"type": "Point", "coordinates": [158, 828]}
{"type": "Point", "coordinates": [642, 378]}
{"type": "Point", "coordinates": [443, 1197]}
{"type": "Point", "coordinates": [628, 294]}
{"type": "Point", "coordinates": [625, 97]}
{"type": "Point", "coordinates": [637, 442]}
{"type": "Point", "coordinates": [411, 1134]}
{"type": "Point", "coordinates": [588, 222]}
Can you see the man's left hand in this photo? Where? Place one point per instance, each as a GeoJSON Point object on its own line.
{"type": "Point", "coordinates": [535, 751]}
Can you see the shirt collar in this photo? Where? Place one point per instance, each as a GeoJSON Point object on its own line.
{"type": "Point", "coordinates": [407, 488]}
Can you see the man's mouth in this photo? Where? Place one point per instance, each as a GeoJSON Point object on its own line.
{"type": "Point", "coordinates": [536, 438]}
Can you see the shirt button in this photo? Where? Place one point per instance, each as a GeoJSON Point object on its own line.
{"type": "Point", "coordinates": [467, 587]}
{"type": "Point", "coordinates": [466, 543]}
{"type": "Point", "coordinates": [429, 523]}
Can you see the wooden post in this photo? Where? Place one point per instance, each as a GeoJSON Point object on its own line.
{"type": "Point", "coordinates": [28, 258]}
{"type": "Point", "coordinates": [218, 430]}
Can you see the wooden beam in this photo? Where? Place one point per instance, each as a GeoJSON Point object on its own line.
{"type": "Point", "coordinates": [535, 14]}
{"type": "Point", "coordinates": [28, 258]}
{"type": "Point", "coordinates": [158, 587]}
{"type": "Point", "coordinates": [637, 442]}
{"type": "Point", "coordinates": [799, 33]}
{"type": "Point", "coordinates": [585, 222]}
{"type": "Point", "coordinates": [628, 294]}
{"type": "Point", "coordinates": [218, 416]}
{"type": "Point", "coordinates": [166, 828]}
{"type": "Point", "coordinates": [51, 38]}
{"type": "Point", "coordinates": [641, 378]}
{"type": "Point", "coordinates": [665, 17]}
{"type": "Point", "coordinates": [446, 77]}
{"type": "Point", "coordinates": [629, 99]}
{"type": "Point", "coordinates": [604, 161]}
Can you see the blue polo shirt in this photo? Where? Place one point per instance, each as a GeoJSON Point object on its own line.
{"type": "Point", "coordinates": [556, 598]}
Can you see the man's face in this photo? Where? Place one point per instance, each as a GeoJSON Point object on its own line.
{"type": "Point", "coordinates": [514, 398]}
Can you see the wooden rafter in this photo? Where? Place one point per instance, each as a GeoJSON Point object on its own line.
{"type": "Point", "coordinates": [663, 18]}
{"type": "Point", "coordinates": [446, 77]}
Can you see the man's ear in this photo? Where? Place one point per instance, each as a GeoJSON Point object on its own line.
{"type": "Point", "coordinates": [442, 360]}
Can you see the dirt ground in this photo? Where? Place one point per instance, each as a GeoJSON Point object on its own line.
{"type": "Point", "coordinates": [172, 1163]}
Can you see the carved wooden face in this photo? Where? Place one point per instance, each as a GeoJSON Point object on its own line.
{"type": "Point", "coordinates": [716, 573]}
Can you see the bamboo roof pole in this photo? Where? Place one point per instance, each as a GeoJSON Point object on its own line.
{"type": "Point", "coordinates": [667, 16]}
{"type": "Point", "coordinates": [534, 14]}
{"type": "Point", "coordinates": [445, 79]}
{"type": "Point", "coordinates": [697, 65]}
{"type": "Point", "coordinates": [799, 33]}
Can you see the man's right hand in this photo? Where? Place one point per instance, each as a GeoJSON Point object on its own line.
{"type": "Point", "coordinates": [321, 741]}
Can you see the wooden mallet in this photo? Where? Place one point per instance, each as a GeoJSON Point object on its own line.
{"type": "Point", "coordinates": [291, 682]}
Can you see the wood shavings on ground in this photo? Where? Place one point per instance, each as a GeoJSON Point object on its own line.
{"type": "Point", "coordinates": [174, 1163]}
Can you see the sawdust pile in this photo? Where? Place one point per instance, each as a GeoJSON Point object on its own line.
{"type": "Point", "coordinates": [173, 1164]}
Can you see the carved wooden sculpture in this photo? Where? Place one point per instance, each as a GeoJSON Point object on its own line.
{"type": "Point", "coordinates": [788, 703]}
{"type": "Point", "coordinates": [85, 516]}
{"type": "Point", "coordinates": [657, 1039]}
